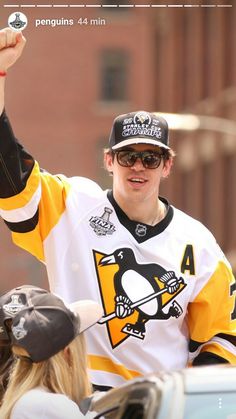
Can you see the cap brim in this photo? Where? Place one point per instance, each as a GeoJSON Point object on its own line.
{"type": "Point", "coordinates": [88, 311]}
{"type": "Point", "coordinates": [139, 140]}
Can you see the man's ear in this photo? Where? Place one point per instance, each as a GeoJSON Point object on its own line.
{"type": "Point", "coordinates": [167, 167]}
{"type": "Point", "coordinates": [108, 162]}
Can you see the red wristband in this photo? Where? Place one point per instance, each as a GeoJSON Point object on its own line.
{"type": "Point", "coordinates": [3, 73]}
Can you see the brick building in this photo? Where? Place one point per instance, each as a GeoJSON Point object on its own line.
{"type": "Point", "coordinates": [75, 77]}
{"type": "Point", "coordinates": [198, 50]}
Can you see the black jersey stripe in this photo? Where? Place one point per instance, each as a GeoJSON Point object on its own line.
{"type": "Point", "coordinates": [16, 164]}
{"type": "Point", "coordinates": [24, 226]}
{"type": "Point", "coordinates": [229, 338]}
{"type": "Point", "coordinates": [209, 358]}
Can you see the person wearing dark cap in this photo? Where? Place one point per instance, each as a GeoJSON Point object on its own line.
{"type": "Point", "coordinates": [49, 378]}
{"type": "Point", "coordinates": [11, 303]}
{"type": "Point", "coordinates": [158, 273]}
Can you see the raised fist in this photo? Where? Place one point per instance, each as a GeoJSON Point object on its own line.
{"type": "Point", "coordinates": [11, 46]}
{"type": "Point", "coordinates": [123, 308]}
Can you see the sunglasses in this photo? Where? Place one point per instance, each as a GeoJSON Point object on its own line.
{"type": "Point", "coordinates": [149, 159]}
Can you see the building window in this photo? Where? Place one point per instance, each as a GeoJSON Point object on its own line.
{"type": "Point", "coordinates": [114, 71]}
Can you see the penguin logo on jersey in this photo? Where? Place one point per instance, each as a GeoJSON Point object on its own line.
{"type": "Point", "coordinates": [134, 293]}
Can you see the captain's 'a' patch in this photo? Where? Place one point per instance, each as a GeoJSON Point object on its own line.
{"type": "Point", "coordinates": [134, 293]}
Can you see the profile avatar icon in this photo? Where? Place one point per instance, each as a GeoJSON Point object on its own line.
{"type": "Point", "coordinates": [17, 21]}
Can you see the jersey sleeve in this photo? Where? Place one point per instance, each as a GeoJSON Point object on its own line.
{"type": "Point", "coordinates": [212, 316]}
{"type": "Point", "coordinates": [31, 200]}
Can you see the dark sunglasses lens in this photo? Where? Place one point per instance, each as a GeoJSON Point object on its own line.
{"type": "Point", "coordinates": [126, 158]}
{"type": "Point", "coordinates": [151, 160]}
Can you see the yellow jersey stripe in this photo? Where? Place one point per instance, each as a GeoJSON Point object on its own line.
{"type": "Point", "coordinates": [102, 363]}
{"type": "Point", "coordinates": [31, 240]}
{"type": "Point", "coordinates": [51, 208]}
{"type": "Point", "coordinates": [52, 204]}
{"type": "Point", "coordinates": [206, 319]}
{"type": "Point", "coordinates": [24, 213]}
{"type": "Point", "coordinates": [219, 350]}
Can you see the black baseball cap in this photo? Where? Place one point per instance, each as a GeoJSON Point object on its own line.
{"type": "Point", "coordinates": [48, 325]}
{"type": "Point", "coordinates": [11, 303]}
{"type": "Point", "coordinates": [139, 127]}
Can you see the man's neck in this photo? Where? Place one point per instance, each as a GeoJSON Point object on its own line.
{"type": "Point", "coordinates": [151, 215]}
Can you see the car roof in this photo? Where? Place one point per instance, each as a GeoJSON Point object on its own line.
{"type": "Point", "coordinates": [163, 395]}
{"type": "Point", "coordinates": [209, 379]}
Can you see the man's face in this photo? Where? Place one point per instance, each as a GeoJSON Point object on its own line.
{"type": "Point", "coordinates": [137, 183]}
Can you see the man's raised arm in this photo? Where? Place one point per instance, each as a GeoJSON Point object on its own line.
{"type": "Point", "coordinates": [11, 47]}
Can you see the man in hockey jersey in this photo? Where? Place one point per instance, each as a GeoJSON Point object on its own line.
{"type": "Point", "coordinates": [167, 291]}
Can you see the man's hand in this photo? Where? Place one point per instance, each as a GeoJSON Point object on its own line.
{"type": "Point", "coordinates": [11, 46]}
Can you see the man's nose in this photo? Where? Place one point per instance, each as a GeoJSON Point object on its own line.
{"type": "Point", "coordinates": [138, 165]}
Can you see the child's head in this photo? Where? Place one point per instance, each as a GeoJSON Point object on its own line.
{"type": "Point", "coordinates": [46, 325]}
{"type": "Point", "coordinates": [48, 343]}
{"type": "Point", "coordinates": [11, 303]}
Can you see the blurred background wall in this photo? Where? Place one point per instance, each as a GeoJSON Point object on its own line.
{"type": "Point", "coordinates": [86, 62]}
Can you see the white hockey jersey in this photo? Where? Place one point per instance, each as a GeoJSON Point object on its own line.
{"type": "Point", "coordinates": [92, 250]}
